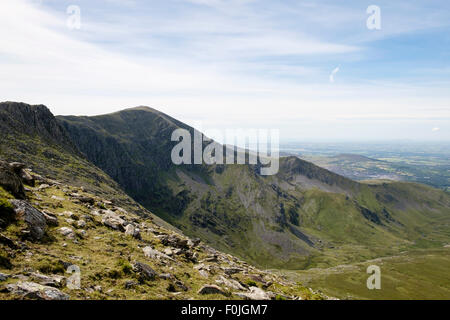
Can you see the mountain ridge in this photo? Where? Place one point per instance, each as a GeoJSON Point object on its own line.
{"type": "Point", "coordinates": [303, 217]}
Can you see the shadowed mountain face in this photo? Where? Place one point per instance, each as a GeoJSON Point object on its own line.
{"type": "Point", "coordinates": [304, 216]}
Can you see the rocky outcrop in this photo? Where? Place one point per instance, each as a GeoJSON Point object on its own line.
{"type": "Point", "coordinates": [144, 271]}
{"type": "Point", "coordinates": [50, 281]}
{"type": "Point", "coordinates": [151, 253]}
{"type": "Point", "coordinates": [35, 220]}
{"type": "Point", "coordinates": [112, 220]}
{"type": "Point", "coordinates": [254, 294]}
{"type": "Point", "coordinates": [34, 120]}
{"type": "Point", "coordinates": [211, 289]}
{"type": "Point", "coordinates": [131, 230]}
{"type": "Point", "coordinates": [67, 232]}
{"type": "Point", "coordinates": [32, 290]}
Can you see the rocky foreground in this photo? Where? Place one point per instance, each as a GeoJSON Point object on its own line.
{"type": "Point", "coordinates": [59, 242]}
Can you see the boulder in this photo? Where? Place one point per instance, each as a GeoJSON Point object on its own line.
{"type": "Point", "coordinates": [211, 289]}
{"type": "Point", "coordinates": [230, 283]}
{"type": "Point", "coordinates": [4, 277]}
{"type": "Point", "coordinates": [130, 284]}
{"type": "Point", "coordinates": [149, 252]}
{"type": "Point", "coordinates": [83, 199]}
{"type": "Point", "coordinates": [35, 220]}
{"type": "Point", "coordinates": [81, 223]}
{"type": "Point", "coordinates": [204, 273]}
{"type": "Point", "coordinates": [31, 290]}
{"type": "Point", "coordinates": [27, 178]}
{"type": "Point", "coordinates": [166, 276]}
{"type": "Point", "coordinates": [131, 230]}
{"type": "Point", "coordinates": [51, 219]}
{"type": "Point", "coordinates": [113, 221]}
{"type": "Point", "coordinates": [231, 271]}
{"type": "Point", "coordinates": [67, 232]}
{"type": "Point", "coordinates": [51, 281]}
{"type": "Point", "coordinates": [254, 294]}
{"type": "Point", "coordinates": [180, 285]}
{"type": "Point", "coordinates": [17, 166]}
{"type": "Point", "coordinates": [10, 181]}
{"type": "Point", "coordinates": [174, 241]}
{"type": "Point", "coordinates": [144, 271]}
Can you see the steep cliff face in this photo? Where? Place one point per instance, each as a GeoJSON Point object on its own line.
{"type": "Point", "coordinates": [31, 134]}
{"type": "Point", "coordinates": [32, 120]}
{"type": "Point", "coordinates": [133, 147]}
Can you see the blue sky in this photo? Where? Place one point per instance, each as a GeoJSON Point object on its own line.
{"type": "Point", "coordinates": [238, 63]}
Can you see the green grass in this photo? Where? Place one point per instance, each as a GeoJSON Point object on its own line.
{"type": "Point", "coordinates": [419, 274]}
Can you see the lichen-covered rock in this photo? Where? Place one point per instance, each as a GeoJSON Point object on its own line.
{"type": "Point", "coordinates": [26, 177]}
{"type": "Point", "coordinates": [230, 283]}
{"type": "Point", "coordinates": [35, 220]}
{"type": "Point", "coordinates": [131, 230]}
{"type": "Point", "coordinates": [254, 294]}
{"type": "Point", "coordinates": [51, 281]}
{"type": "Point", "coordinates": [51, 219]}
{"type": "Point", "coordinates": [31, 290]}
{"type": "Point", "coordinates": [174, 241]}
{"type": "Point", "coordinates": [144, 271]}
{"type": "Point", "coordinates": [4, 277]}
{"type": "Point", "coordinates": [211, 289]}
{"type": "Point", "coordinates": [149, 252]}
{"type": "Point", "coordinates": [112, 220]}
{"type": "Point", "coordinates": [67, 232]}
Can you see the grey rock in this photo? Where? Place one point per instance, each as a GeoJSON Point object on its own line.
{"type": "Point", "coordinates": [81, 223]}
{"type": "Point", "coordinates": [149, 252]}
{"type": "Point", "coordinates": [204, 273]}
{"type": "Point", "coordinates": [130, 284]}
{"type": "Point", "coordinates": [31, 290]}
{"type": "Point", "coordinates": [230, 283]}
{"type": "Point", "coordinates": [231, 271]}
{"type": "Point", "coordinates": [27, 178]}
{"type": "Point", "coordinates": [113, 221]}
{"type": "Point", "coordinates": [51, 219]}
{"type": "Point", "coordinates": [174, 241]}
{"type": "Point", "coordinates": [211, 289]}
{"type": "Point", "coordinates": [51, 281]}
{"type": "Point", "coordinates": [4, 277]}
{"type": "Point", "coordinates": [166, 276]}
{"type": "Point", "coordinates": [254, 294]}
{"type": "Point", "coordinates": [179, 284]}
{"type": "Point", "coordinates": [17, 166]}
{"type": "Point", "coordinates": [131, 230]}
{"type": "Point", "coordinates": [35, 220]}
{"type": "Point", "coordinates": [67, 232]}
{"type": "Point", "coordinates": [144, 271]}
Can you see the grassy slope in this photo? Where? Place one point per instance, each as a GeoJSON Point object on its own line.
{"type": "Point", "coordinates": [417, 274]}
{"type": "Point", "coordinates": [105, 257]}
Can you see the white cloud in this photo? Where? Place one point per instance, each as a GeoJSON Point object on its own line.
{"type": "Point", "coordinates": [218, 74]}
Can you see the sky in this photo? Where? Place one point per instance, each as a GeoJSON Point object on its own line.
{"type": "Point", "coordinates": [313, 69]}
